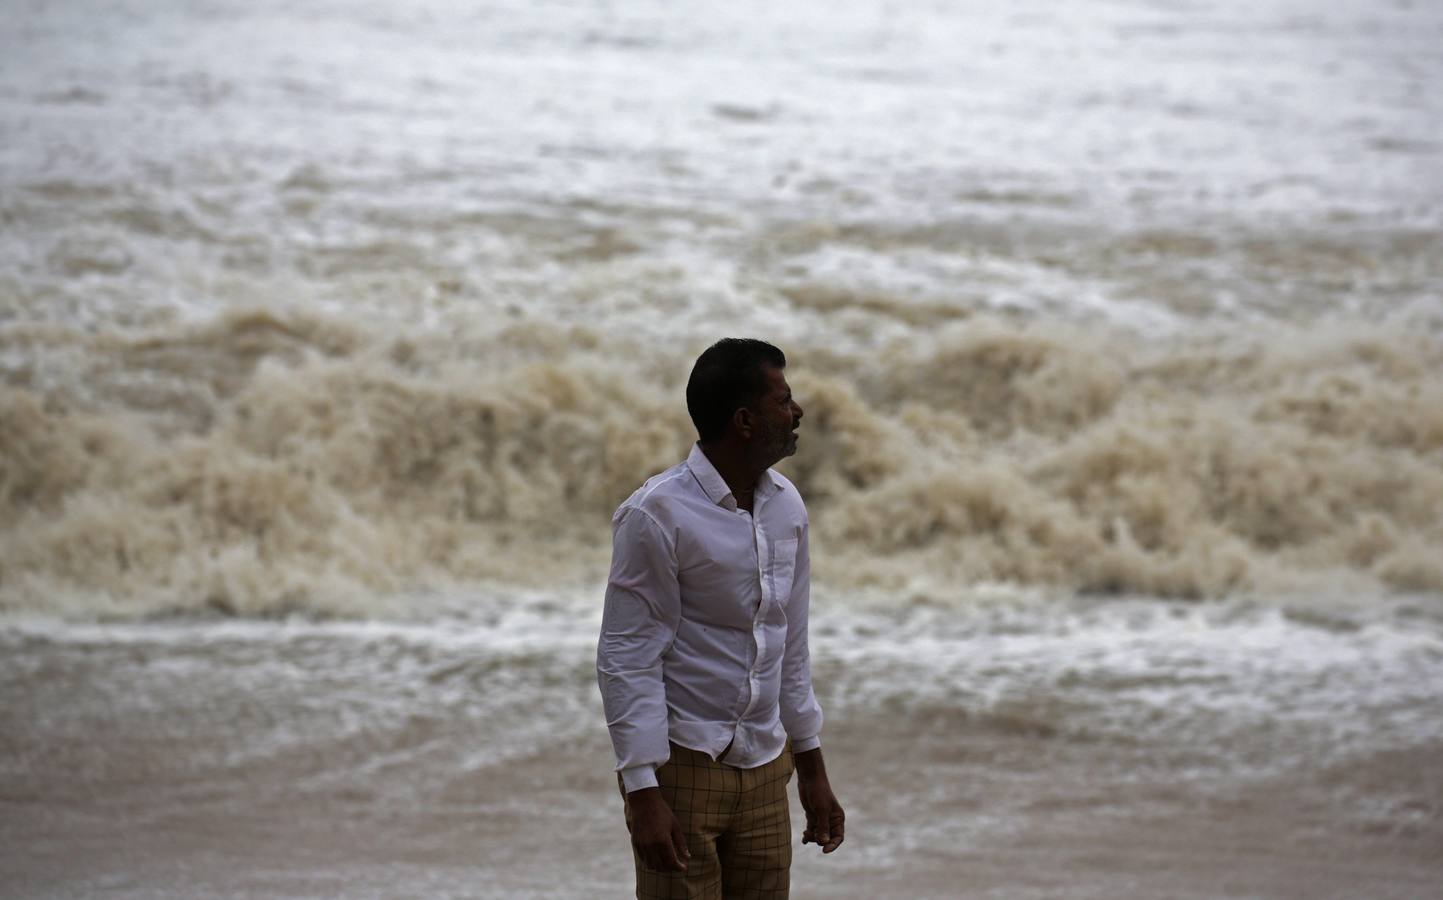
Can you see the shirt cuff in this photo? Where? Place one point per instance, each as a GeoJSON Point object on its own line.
{"type": "Point", "coordinates": [806, 744]}
{"type": "Point", "coordinates": [638, 778]}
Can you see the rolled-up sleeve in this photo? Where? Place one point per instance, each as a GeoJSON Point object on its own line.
{"type": "Point", "coordinates": [801, 714]}
{"type": "Point", "coordinates": [638, 625]}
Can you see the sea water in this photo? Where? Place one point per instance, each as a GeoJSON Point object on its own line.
{"type": "Point", "coordinates": [331, 335]}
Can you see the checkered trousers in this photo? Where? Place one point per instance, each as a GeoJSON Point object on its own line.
{"type": "Point", "coordinates": [737, 826]}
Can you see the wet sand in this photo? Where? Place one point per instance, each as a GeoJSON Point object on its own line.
{"type": "Point", "coordinates": [933, 813]}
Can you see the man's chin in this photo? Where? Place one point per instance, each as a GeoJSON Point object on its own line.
{"type": "Point", "coordinates": [777, 453]}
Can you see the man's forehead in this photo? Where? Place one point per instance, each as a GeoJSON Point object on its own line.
{"type": "Point", "coordinates": [777, 381]}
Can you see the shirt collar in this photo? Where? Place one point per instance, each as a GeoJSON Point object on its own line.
{"type": "Point", "coordinates": [716, 486]}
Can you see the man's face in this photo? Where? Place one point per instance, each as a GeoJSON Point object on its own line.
{"type": "Point", "coordinates": [778, 417]}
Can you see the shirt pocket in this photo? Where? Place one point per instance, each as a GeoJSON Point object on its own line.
{"type": "Point", "coordinates": [784, 568]}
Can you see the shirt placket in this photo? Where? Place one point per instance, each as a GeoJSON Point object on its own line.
{"type": "Point", "coordinates": [759, 639]}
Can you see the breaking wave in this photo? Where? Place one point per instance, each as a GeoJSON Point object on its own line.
{"type": "Point", "coordinates": [256, 463]}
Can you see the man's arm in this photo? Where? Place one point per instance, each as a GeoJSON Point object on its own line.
{"type": "Point", "coordinates": [802, 715]}
{"type": "Point", "coordinates": [638, 624]}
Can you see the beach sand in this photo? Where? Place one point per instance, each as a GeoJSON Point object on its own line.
{"type": "Point", "coordinates": [936, 810]}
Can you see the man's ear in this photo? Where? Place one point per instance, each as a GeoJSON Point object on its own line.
{"type": "Point", "coordinates": [744, 421]}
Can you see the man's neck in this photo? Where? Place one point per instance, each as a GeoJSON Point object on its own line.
{"type": "Point", "coordinates": [736, 470]}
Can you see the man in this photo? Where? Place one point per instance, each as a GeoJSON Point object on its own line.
{"type": "Point", "coordinates": [703, 662]}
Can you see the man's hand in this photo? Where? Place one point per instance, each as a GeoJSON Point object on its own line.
{"type": "Point", "coordinates": [826, 823]}
{"type": "Point", "coordinates": [655, 832]}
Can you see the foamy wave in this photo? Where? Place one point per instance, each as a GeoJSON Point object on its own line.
{"type": "Point", "coordinates": [256, 463]}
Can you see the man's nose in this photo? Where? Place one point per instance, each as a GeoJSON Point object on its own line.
{"type": "Point", "coordinates": [796, 411]}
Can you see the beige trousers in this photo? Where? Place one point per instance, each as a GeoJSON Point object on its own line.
{"type": "Point", "coordinates": [738, 829]}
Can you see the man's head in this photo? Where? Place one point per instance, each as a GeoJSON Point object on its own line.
{"type": "Point", "coordinates": [737, 392]}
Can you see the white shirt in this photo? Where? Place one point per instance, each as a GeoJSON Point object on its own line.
{"type": "Point", "coordinates": [704, 633]}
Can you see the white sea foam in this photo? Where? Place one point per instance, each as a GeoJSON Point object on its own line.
{"type": "Point", "coordinates": [1251, 688]}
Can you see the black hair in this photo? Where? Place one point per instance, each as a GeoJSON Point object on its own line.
{"type": "Point", "coordinates": [728, 375]}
